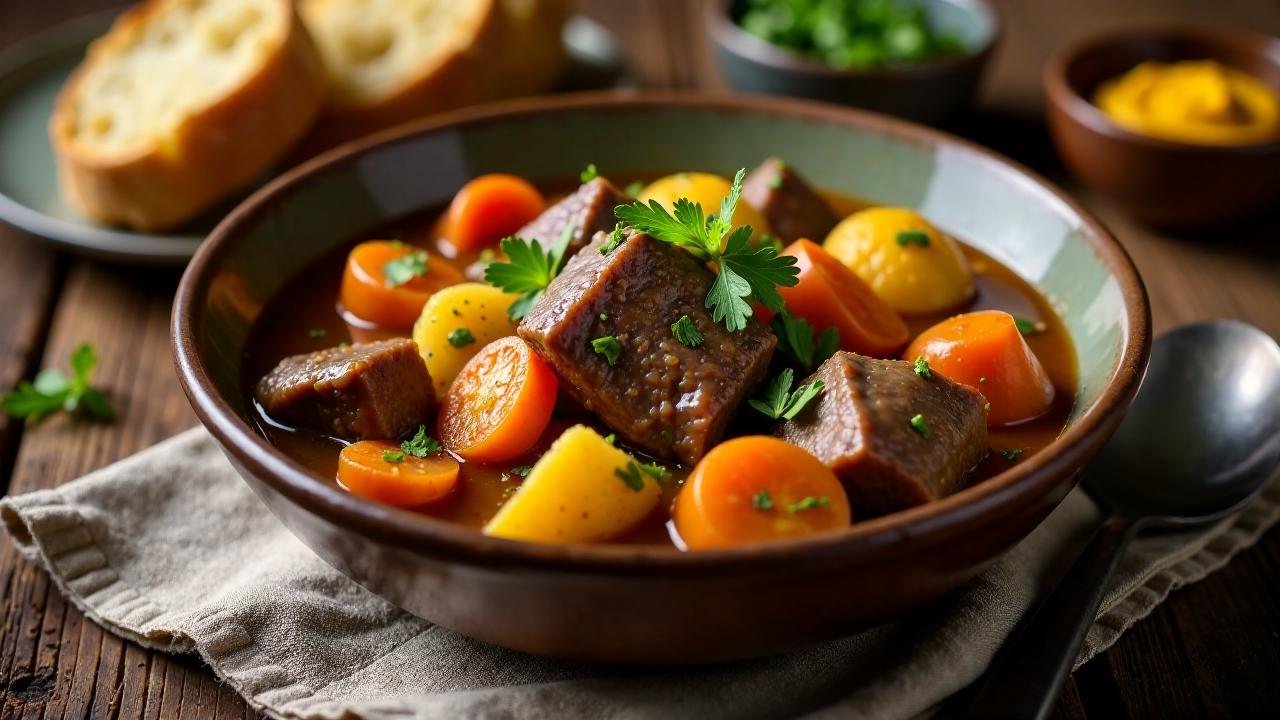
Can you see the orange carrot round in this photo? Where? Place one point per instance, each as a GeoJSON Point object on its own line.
{"type": "Point", "coordinates": [985, 351]}
{"type": "Point", "coordinates": [490, 208]}
{"type": "Point", "coordinates": [500, 403]}
{"type": "Point", "coordinates": [380, 471]}
{"type": "Point", "coordinates": [756, 489]}
{"type": "Point", "coordinates": [387, 282]}
{"type": "Point", "coordinates": [829, 294]}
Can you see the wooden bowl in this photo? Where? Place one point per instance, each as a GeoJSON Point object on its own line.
{"type": "Point", "coordinates": [1164, 183]}
{"type": "Point", "coordinates": [931, 92]}
{"type": "Point", "coordinates": [633, 604]}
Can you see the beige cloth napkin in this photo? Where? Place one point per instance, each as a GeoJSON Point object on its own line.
{"type": "Point", "coordinates": [171, 550]}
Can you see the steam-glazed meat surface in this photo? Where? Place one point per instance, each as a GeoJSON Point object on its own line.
{"type": "Point", "coordinates": [589, 209]}
{"type": "Point", "coordinates": [861, 427]}
{"type": "Point", "coordinates": [663, 397]}
{"type": "Point", "coordinates": [359, 392]}
{"type": "Point", "coordinates": [790, 205]}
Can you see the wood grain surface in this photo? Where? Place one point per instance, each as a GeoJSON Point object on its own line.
{"type": "Point", "coordinates": [1212, 650]}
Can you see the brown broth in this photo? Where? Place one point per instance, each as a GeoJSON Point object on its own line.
{"type": "Point", "coordinates": [293, 327]}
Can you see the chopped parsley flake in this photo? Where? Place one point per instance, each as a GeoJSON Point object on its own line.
{"type": "Point", "coordinates": [461, 338]}
{"type": "Point", "coordinates": [421, 444]}
{"type": "Point", "coordinates": [609, 347]}
{"type": "Point", "coordinates": [630, 476]}
{"type": "Point", "coordinates": [762, 501]}
{"type": "Point", "coordinates": [344, 344]}
{"type": "Point", "coordinates": [655, 471]}
{"type": "Point", "coordinates": [611, 438]}
{"type": "Point", "coordinates": [921, 367]}
{"type": "Point", "coordinates": [775, 182]}
{"type": "Point", "coordinates": [1028, 327]}
{"type": "Point", "coordinates": [405, 268]}
{"type": "Point", "coordinates": [604, 316]}
{"type": "Point", "coordinates": [316, 333]}
{"type": "Point", "coordinates": [613, 241]}
{"type": "Point", "coordinates": [917, 423]}
{"type": "Point", "coordinates": [686, 332]}
{"type": "Point", "coordinates": [589, 174]}
{"type": "Point", "coordinates": [393, 456]}
{"type": "Point", "coordinates": [1012, 453]}
{"type": "Point", "coordinates": [913, 237]}
{"type": "Point", "coordinates": [809, 503]}
{"type": "Point", "coordinates": [780, 402]}
{"type": "Point", "coordinates": [521, 470]}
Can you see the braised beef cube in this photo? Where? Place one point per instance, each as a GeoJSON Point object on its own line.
{"type": "Point", "coordinates": [792, 208]}
{"type": "Point", "coordinates": [378, 390]}
{"type": "Point", "coordinates": [589, 210]}
{"type": "Point", "coordinates": [663, 397]}
{"type": "Point", "coordinates": [861, 426]}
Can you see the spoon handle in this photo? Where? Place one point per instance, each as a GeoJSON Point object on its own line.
{"type": "Point", "coordinates": [1027, 674]}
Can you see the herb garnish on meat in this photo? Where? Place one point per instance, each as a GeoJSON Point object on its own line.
{"type": "Point", "coordinates": [609, 347]}
{"type": "Point", "coordinates": [686, 332]}
{"type": "Point", "coordinates": [780, 402]}
{"type": "Point", "coordinates": [921, 367]}
{"type": "Point", "coordinates": [743, 274]}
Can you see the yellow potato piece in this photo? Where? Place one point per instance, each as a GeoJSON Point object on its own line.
{"type": "Point", "coordinates": [887, 248]}
{"type": "Point", "coordinates": [573, 495]}
{"type": "Point", "coordinates": [476, 307]}
{"type": "Point", "coordinates": [707, 190]}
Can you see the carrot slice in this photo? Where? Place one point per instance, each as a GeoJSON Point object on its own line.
{"type": "Point", "coordinates": [500, 403]}
{"type": "Point", "coordinates": [829, 294]}
{"type": "Point", "coordinates": [756, 489]}
{"type": "Point", "coordinates": [380, 471]}
{"type": "Point", "coordinates": [395, 301]}
{"type": "Point", "coordinates": [490, 208]}
{"type": "Point", "coordinates": [985, 351]}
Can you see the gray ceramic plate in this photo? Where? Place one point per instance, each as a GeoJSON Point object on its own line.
{"type": "Point", "coordinates": [32, 71]}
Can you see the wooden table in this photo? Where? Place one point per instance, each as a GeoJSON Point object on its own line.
{"type": "Point", "coordinates": [1212, 650]}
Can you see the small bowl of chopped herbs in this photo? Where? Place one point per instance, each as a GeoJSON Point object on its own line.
{"type": "Point", "coordinates": [917, 59]}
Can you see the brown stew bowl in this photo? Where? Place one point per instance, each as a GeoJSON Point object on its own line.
{"type": "Point", "coordinates": [649, 605]}
{"type": "Point", "coordinates": [1164, 183]}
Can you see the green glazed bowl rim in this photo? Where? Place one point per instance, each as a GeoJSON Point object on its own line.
{"type": "Point", "coordinates": [1020, 487]}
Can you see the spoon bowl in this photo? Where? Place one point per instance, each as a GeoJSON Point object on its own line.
{"type": "Point", "coordinates": [1203, 434]}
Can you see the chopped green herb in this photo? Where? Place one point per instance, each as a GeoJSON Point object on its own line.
{"type": "Point", "coordinates": [604, 316]}
{"type": "Point", "coordinates": [630, 476]}
{"type": "Point", "coordinates": [403, 269]}
{"type": "Point", "coordinates": [344, 344]}
{"type": "Point", "coordinates": [809, 503]}
{"type": "Point", "coordinates": [613, 241]}
{"type": "Point", "coordinates": [609, 347]}
{"type": "Point", "coordinates": [316, 333]}
{"type": "Point", "coordinates": [1028, 327]}
{"type": "Point", "coordinates": [775, 182]}
{"type": "Point", "coordinates": [796, 340]}
{"type": "Point", "coordinates": [655, 471]}
{"type": "Point", "coordinates": [913, 237]}
{"type": "Point", "coordinates": [634, 189]}
{"type": "Point", "coordinates": [686, 332]}
{"type": "Point", "coordinates": [421, 444]}
{"type": "Point", "coordinates": [52, 391]}
{"type": "Point", "coordinates": [461, 338]}
{"type": "Point", "coordinates": [393, 456]}
{"type": "Point", "coordinates": [743, 273]}
{"type": "Point", "coordinates": [521, 470]}
{"type": "Point", "coordinates": [589, 174]}
{"type": "Point", "coordinates": [528, 270]}
{"type": "Point", "coordinates": [762, 501]}
{"type": "Point", "coordinates": [921, 367]}
{"type": "Point", "coordinates": [1012, 453]}
{"type": "Point", "coordinates": [611, 438]}
{"type": "Point", "coordinates": [917, 423]}
{"type": "Point", "coordinates": [780, 402]}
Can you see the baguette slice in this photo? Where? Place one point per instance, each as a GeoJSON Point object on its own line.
{"type": "Point", "coordinates": [393, 61]}
{"type": "Point", "coordinates": [181, 103]}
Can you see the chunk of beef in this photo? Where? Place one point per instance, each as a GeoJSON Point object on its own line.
{"type": "Point", "coordinates": [589, 209]}
{"type": "Point", "coordinates": [663, 397]}
{"type": "Point", "coordinates": [377, 390]}
{"type": "Point", "coordinates": [792, 208]}
{"type": "Point", "coordinates": [860, 426]}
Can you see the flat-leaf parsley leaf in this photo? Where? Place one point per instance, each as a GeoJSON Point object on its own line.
{"type": "Point", "coordinates": [780, 402]}
{"type": "Point", "coordinates": [52, 391]}
{"type": "Point", "coordinates": [686, 332]}
{"type": "Point", "coordinates": [796, 340]}
{"type": "Point", "coordinates": [528, 269]}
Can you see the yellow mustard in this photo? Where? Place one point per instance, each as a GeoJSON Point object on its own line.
{"type": "Point", "coordinates": [1193, 101]}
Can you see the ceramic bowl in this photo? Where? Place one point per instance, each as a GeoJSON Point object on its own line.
{"type": "Point", "coordinates": [1164, 183]}
{"type": "Point", "coordinates": [633, 604]}
{"type": "Point", "coordinates": [930, 93]}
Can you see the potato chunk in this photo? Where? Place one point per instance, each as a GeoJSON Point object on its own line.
{"type": "Point", "coordinates": [582, 490]}
{"type": "Point", "coordinates": [455, 323]}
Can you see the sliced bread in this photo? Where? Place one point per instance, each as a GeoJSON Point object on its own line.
{"type": "Point", "coordinates": [182, 102]}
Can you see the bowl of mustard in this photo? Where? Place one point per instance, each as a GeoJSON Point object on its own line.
{"type": "Point", "coordinates": [1178, 124]}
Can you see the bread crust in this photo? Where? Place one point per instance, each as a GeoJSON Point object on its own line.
{"type": "Point", "coordinates": [216, 149]}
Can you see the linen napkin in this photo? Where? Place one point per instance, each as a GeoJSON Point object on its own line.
{"type": "Point", "coordinates": [170, 549]}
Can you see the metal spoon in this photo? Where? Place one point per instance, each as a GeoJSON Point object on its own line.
{"type": "Point", "coordinates": [1201, 439]}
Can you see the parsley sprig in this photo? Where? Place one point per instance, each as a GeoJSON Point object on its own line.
{"type": "Point", "coordinates": [421, 444]}
{"type": "Point", "coordinates": [528, 269]}
{"type": "Point", "coordinates": [796, 339]}
{"type": "Point", "coordinates": [780, 402]}
{"type": "Point", "coordinates": [743, 273]}
{"type": "Point", "coordinates": [52, 391]}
